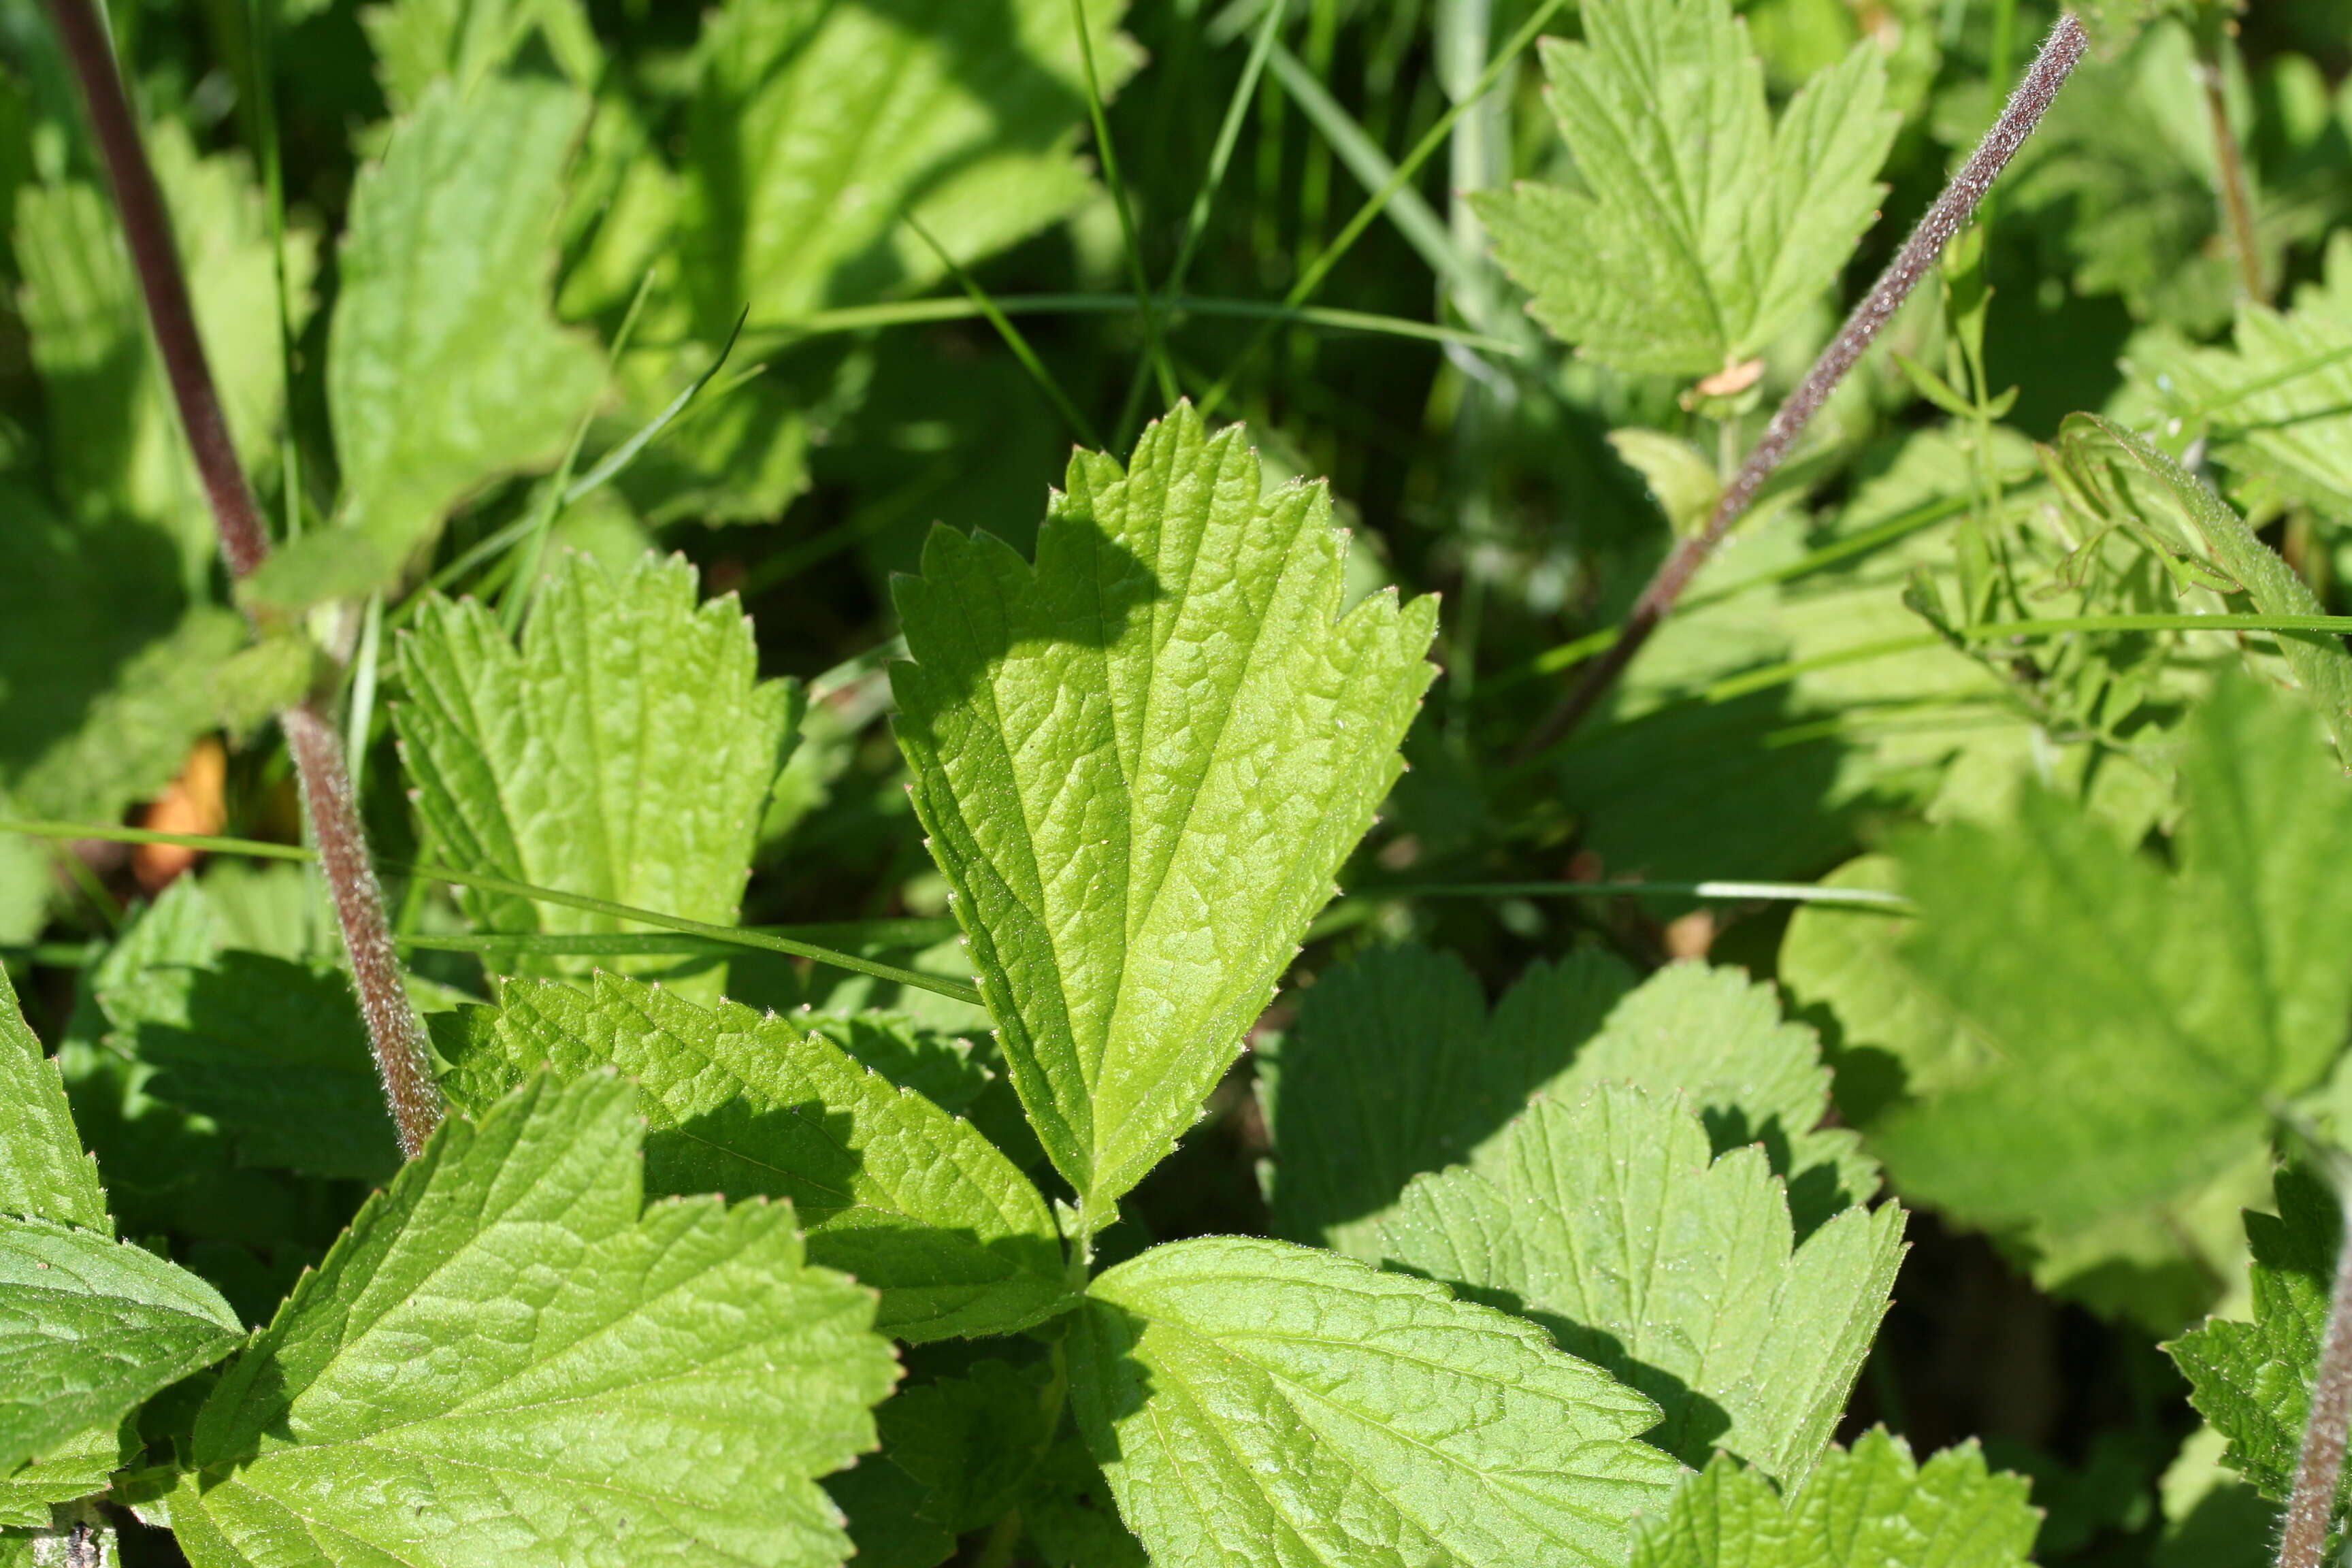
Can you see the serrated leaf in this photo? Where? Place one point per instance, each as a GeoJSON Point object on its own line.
{"type": "Point", "coordinates": [1702, 231]}
{"type": "Point", "coordinates": [2143, 1021]}
{"type": "Point", "coordinates": [1141, 763]}
{"type": "Point", "coordinates": [819, 124]}
{"type": "Point", "coordinates": [880, 1499]}
{"type": "Point", "coordinates": [1393, 1068]}
{"type": "Point", "coordinates": [273, 1052]}
{"type": "Point", "coordinates": [420, 42]}
{"type": "Point", "coordinates": [1870, 1508]}
{"type": "Point", "coordinates": [624, 752]}
{"type": "Point", "coordinates": [2252, 1379]}
{"type": "Point", "coordinates": [1254, 1402]}
{"type": "Point", "coordinates": [446, 279]}
{"type": "Point", "coordinates": [1609, 1221]}
{"type": "Point", "coordinates": [510, 1358]}
{"type": "Point", "coordinates": [88, 1328]}
{"type": "Point", "coordinates": [2277, 402]}
{"type": "Point", "coordinates": [77, 1467]}
{"type": "Point", "coordinates": [892, 1189]}
{"type": "Point", "coordinates": [1071, 1515]}
{"type": "Point", "coordinates": [971, 1441]}
{"type": "Point", "coordinates": [44, 1174]}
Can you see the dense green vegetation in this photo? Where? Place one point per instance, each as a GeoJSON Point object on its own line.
{"type": "Point", "coordinates": [1087, 783]}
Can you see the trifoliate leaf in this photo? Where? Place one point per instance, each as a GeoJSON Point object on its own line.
{"type": "Point", "coordinates": [1393, 1069]}
{"type": "Point", "coordinates": [2252, 1381]}
{"type": "Point", "coordinates": [446, 279]}
{"type": "Point", "coordinates": [88, 1328]}
{"type": "Point", "coordinates": [273, 1052]}
{"type": "Point", "coordinates": [1250, 1401]}
{"type": "Point", "coordinates": [1141, 763]}
{"type": "Point", "coordinates": [971, 1441]}
{"type": "Point", "coordinates": [420, 42]}
{"type": "Point", "coordinates": [44, 1174]}
{"type": "Point", "coordinates": [1702, 231]}
{"type": "Point", "coordinates": [624, 752]}
{"type": "Point", "coordinates": [821, 126]}
{"type": "Point", "coordinates": [2144, 1020]}
{"type": "Point", "coordinates": [2277, 403]}
{"type": "Point", "coordinates": [1871, 1508]}
{"type": "Point", "coordinates": [1610, 1222]}
{"type": "Point", "coordinates": [510, 1358]}
{"type": "Point", "coordinates": [892, 1189]}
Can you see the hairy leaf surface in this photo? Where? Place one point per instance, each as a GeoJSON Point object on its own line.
{"type": "Point", "coordinates": [88, 1328]}
{"type": "Point", "coordinates": [1141, 763]}
{"type": "Point", "coordinates": [445, 366]}
{"type": "Point", "coordinates": [1702, 229]}
{"type": "Point", "coordinates": [510, 1359]}
{"type": "Point", "coordinates": [892, 1189]}
{"type": "Point", "coordinates": [420, 42]}
{"type": "Point", "coordinates": [1609, 1221]}
{"type": "Point", "coordinates": [624, 752]}
{"type": "Point", "coordinates": [2143, 1020]}
{"type": "Point", "coordinates": [1252, 1402]}
{"type": "Point", "coordinates": [1871, 1508]}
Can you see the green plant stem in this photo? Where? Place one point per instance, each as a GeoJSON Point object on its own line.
{"type": "Point", "coordinates": [2229, 156]}
{"type": "Point", "coordinates": [1154, 349]}
{"type": "Point", "coordinates": [1377, 203]}
{"type": "Point", "coordinates": [731, 936]}
{"type": "Point", "coordinates": [1918, 255]}
{"type": "Point", "coordinates": [397, 1039]}
{"type": "Point", "coordinates": [919, 312]}
{"type": "Point", "coordinates": [2302, 1543]}
{"type": "Point", "coordinates": [1766, 892]}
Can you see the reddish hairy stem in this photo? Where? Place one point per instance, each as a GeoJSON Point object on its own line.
{"type": "Point", "coordinates": [393, 1029]}
{"type": "Point", "coordinates": [2229, 165]}
{"type": "Point", "coordinates": [2303, 1542]}
{"type": "Point", "coordinates": [2026, 106]}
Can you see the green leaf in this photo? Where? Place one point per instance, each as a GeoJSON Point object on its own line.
{"type": "Point", "coordinates": [446, 279]}
{"type": "Point", "coordinates": [76, 1467]}
{"type": "Point", "coordinates": [818, 125]}
{"type": "Point", "coordinates": [44, 1174]}
{"type": "Point", "coordinates": [2143, 1021]}
{"type": "Point", "coordinates": [880, 1499]}
{"type": "Point", "coordinates": [1701, 230]}
{"type": "Point", "coordinates": [1071, 1515]}
{"type": "Point", "coordinates": [623, 753]}
{"type": "Point", "coordinates": [116, 449]}
{"type": "Point", "coordinates": [420, 42]}
{"type": "Point", "coordinates": [1394, 1068]}
{"type": "Point", "coordinates": [2277, 403]}
{"type": "Point", "coordinates": [1871, 1508]}
{"type": "Point", "coordinates": [273, 1052]}
{"type": "Point", "coordinates": [1253, 1401]}
{"type": "Point", "coordinates": [88, 1328]}
{"type": "Point", "coordinates": [1141, 763]}
{"type": "Point", "coordinates": [2319, 661]}
{"type": "Point", "coordinates": [1609, 1221]}
{"type": "Point", "coordinates": [2252, 1379]}
{"type": "Point", "coordinates": [971, 1441]}
{"type": "Point", "coordinates": [891, 1189]}
{"type": "Point", "coordinates": [511, 1358]}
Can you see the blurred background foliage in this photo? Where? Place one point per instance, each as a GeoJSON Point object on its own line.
{"type": "Point", "coordinates": [579, 202]}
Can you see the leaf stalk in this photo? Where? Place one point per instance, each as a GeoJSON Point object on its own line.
{"type": "Point", "coordinates": [398, 1040]}
{"type": "Point", "coordinates": [2303, 1541]}
{"type": "Point", "coordinates": [1951, 211]}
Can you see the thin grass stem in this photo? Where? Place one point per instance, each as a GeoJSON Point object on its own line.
{"type": "Point", "coordinates": [1078, 423]}
{"type": "Point", "coordinates": [1153, 347]}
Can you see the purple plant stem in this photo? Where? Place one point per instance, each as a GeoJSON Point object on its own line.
{"type": "Point", "coordinates": [2026, 106]}
{"type": "Point", "coordinates": [401, 1055]}
{"type": "Point", "coordinates": [2303, 1541]}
